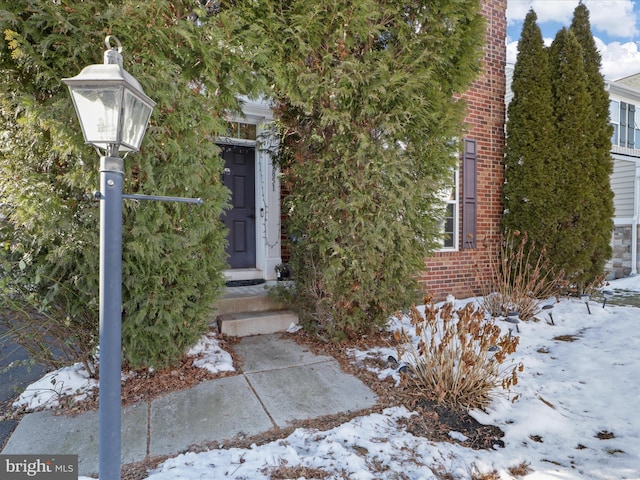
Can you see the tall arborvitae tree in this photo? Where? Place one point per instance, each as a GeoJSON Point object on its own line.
{"type": "Point", "coordinates": [599, 130]}
{"type": "Point", "coordinates": [573, 245]}
{"type": "Point", "coordinates": [531, 152]}
{"type": "Point", "coordinates": [365, 97]}
{"type": "Point", "coordinates": [557, 168]}
{"type": "Point", "coordinates": [173, 254]}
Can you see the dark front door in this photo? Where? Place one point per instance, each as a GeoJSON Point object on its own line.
{"type": "Point", "coordinates": [240, 220]}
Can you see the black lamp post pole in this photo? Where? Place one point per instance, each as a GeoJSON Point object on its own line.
{"type": "Point", "coordinates": [111, 176]}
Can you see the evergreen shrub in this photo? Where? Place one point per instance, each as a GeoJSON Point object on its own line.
{"type": "Point", "coordinates": [367, 99]}
{"type": "Point", "coordinates": [173, 254]}
{"type": "Point", "coordinates": [557, 183]}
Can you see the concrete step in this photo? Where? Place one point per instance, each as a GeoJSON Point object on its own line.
{"type": "Point", "coordinates": [255, 302]}
{"type": "Point", "coordinates": [244, 324]}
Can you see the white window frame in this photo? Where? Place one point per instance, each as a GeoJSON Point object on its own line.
{"type": "Point", "coordinates": [614, 114]}
{"type": "Point", "coordinates": [454, 201]}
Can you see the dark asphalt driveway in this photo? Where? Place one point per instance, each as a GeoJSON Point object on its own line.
{"type": "Point", "coordinates": [13, 381]}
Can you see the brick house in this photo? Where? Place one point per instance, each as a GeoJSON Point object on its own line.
{"type": "Point", "coordinates": [478, 206]}
{"type": "Point", "coordinates": [475, 209]}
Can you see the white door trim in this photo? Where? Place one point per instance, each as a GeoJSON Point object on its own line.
{"type": "Point", "coordinates": [268, 245]}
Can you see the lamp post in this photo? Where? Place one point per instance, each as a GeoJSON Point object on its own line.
{"type": "Point", "coordinates": [585, 298]}
{"type": "Point", "coordinates": [606, 295]}
{"type": "Point", "coordinates": [512, 317]}
{"type": "Point", "coordinates": [113, 112]}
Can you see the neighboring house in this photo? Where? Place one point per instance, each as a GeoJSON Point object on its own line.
{"type": "Point", "coordinates": [474, 207]}
{"type": "Point", "coordinates": [624, 96]}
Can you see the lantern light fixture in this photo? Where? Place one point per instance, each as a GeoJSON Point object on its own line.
{"type": "Point", "coordinates": [112, 108]}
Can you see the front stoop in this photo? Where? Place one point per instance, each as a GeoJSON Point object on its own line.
{"type": "Point", "coordinates": [256, 323]}
{"type": "Point", "coordinates": [242, 312]}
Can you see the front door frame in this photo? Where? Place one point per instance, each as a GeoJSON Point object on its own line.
{"type": "Point", "coordinates": [267, 194]}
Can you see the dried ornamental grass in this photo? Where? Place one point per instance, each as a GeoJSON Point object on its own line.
{"type": "Point", "coordinates": [522, 278]}
{"type": "Point", "coordinates": [458, 360]}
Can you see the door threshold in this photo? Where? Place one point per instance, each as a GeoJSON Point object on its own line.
{"type": "Point", "coordinates": [238, 274]}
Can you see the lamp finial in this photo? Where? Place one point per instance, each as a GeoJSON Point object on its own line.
{"type": "Point", "coordinates": [113, 55]}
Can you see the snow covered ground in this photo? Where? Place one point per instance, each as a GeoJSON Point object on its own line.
{"type": "Point", "coordinates": [576, 417]}
{"type": "Point", "coordinates": [74, 381]}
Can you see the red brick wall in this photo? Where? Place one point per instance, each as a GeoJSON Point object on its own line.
{"type": "Point", "coordinates": [460, 273]}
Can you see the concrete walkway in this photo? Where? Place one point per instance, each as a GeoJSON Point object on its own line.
{"type": "Point", "coordinates": [280, 381]}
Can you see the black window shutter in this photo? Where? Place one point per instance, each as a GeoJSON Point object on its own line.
{"type": "Point", "coordinates": [469, 193]}
{"type": "Point", "coordinates": [630, 126]}
{"type": "Point", "coordinates": [623, 124]}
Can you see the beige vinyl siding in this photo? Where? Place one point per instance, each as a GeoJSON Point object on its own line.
{"type": "Point", "coordinates": [622, 182]}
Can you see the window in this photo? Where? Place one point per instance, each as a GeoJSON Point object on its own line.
{"type": "Point", "coordinates": [468, 210]}
{"type": "Point", "coordinates": [450, 224]}
{"type": "Point", "coordinates": [623, 119]}
{"type": "Point", "coordinates": [244, 131]}
{"type": "Point", "coordinates": [614, 115]}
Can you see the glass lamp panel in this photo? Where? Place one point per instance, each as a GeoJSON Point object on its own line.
{"type": "Point", "coordinates": [98, 110]}
{"type": "Point", "coordinates": [136, 114]}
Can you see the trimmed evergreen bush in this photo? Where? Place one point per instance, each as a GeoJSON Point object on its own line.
{"type": "Point", "coordinates": [599, 130]}
{"type": "Point", "coordinates": [365, 100]}
{"type": "Point", "coordinates": [557, 154]}
{"type": "Point", "coordinates": [584, 212]}
{"type": "Point", "coordinates": [173, 254]}
{"type": "Point", "coordinates": [531, 149]}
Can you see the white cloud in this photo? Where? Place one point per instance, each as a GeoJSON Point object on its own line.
{"type": "Point", "coordinates": [546, 11]}
{"type": "Point", "coordinates": [619, 59]}
{"type": "Point", "coordinates": [512, 52]}
{"type": "Point", "coordinates": [616, 18]}
{"type": "Point", "coordinates": [512, 49]}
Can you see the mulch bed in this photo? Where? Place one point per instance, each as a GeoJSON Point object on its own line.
{"type": "Point", "coordinates": [432, 421]}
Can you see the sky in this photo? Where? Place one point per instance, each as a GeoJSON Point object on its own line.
{"type": "Point", "coordinates": [572, 415]}
{"type": "Point", "coordinates": [615, 24]}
